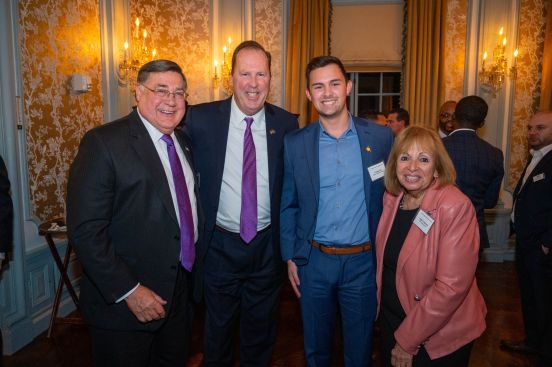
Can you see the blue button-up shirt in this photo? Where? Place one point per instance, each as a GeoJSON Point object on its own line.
{"type": "Point", "coordinates": [342, 217]}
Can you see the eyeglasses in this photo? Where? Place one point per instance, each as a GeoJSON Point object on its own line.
{"type": "Point", "coordinates": [446, 115]}
{"type": "Point", "coordinates": [179, 95]}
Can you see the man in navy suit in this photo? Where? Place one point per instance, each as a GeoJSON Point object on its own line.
{"type": "Point", "coordinates": [532, 219]}
{"type": "Point", "coordinates": [479, 165]}
{"type": "Point", "coordinates": [238, 146]}
{"type": "Point", "coordinates": [132, 219]}
{"type": "Point", "coordinates": [331, 205]}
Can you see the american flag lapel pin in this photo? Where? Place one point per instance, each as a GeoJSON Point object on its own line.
{"type": "Point", "coordinates": [368, 149]}
{"type": "Point", "coordinates": [272, 131]}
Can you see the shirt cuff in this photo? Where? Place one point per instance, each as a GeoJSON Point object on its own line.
{"type": "Point", "coordinates": [127, 293]}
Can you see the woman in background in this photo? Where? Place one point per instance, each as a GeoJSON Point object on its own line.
{"type": "Point", "coordinates": [427, 242]}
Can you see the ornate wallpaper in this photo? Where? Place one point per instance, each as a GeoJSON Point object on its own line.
{"type": "Point", "coordinates": [532, 23]}
{"type": "Point", "coordinates": [269, 33]}
{"type": "Point", "coordinates": [180, 32]}
{"type": "Point", "coordinates": [57, 39]}
{"type": "Point", "coordinates": [455, 44]}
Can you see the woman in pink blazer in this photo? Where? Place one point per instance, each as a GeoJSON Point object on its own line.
{"type": "Point", "coordinates": [427, 243]}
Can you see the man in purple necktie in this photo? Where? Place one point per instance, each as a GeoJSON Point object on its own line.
{"type": "Point", "coordinates": [133, 220]}
{"type": "Point", "coordinates": [237, 147]}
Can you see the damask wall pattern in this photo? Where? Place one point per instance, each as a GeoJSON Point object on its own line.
{"type": "Point", "coordinates": [532, 25]}
{"type": "Point", "coordinates": [56, 39]}
{"type": "Point", "coordinates": [269, 23]}
{"type": "Point", "coordinates": [179, 31]}
{"type": "Point", "coordinates": [455, 46]}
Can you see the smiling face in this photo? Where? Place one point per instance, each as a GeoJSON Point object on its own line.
{"type": "Point", "coordinates": [251, 80]}
{"type": "Point", "coordinates": [328, 91]}
{"type": "Point", "coordinates": [416, 169]}
{"type": "Point", "coordinates": [446, 117]}
{"type": "Point", "coordinates": [164, 113]}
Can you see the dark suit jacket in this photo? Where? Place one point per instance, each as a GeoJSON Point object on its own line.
{"type": "Point", "coordinates": [207, 127]}
{"type": "Point", "coordinates": [6, 209]}
{"type": "Point", "coordinates": [479, 172]}
{"type": "Point", "coordinates": [533, 206]}
{"type": "Point", "coordinates": [122, 222]}
{"type": "Point", "coordinates": [300, 194]}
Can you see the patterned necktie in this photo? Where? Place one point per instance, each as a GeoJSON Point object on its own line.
{"type": "Point", "coordinates": [248, 214]}
{"type": "Point", "coordinates": [187, 246]}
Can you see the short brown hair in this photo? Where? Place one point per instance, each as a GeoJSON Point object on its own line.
{"type": "Point", "coordinates": [427, 139]}
{"type": "Point", "coordinates": [320, 62]}
{"type": "Point", "coordinates": [253, 45]}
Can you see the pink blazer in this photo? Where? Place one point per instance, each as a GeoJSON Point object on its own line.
{"type": "Point", "coordinates": [435, 276]}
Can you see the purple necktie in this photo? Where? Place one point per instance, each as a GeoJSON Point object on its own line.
{"type": "Point", "coordinates": [248, 214]}
{"type": "Point", "coordinates": [187, 245]}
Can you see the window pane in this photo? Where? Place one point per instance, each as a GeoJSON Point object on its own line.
{"type": "Point", "coordinates": [389, 103]}
{"type": "Point", "coordinates": [367, 104]}
{"type": "Point", "coordinates": [391, 82]}
{"type": "Point", "coordinates": [368, 82]}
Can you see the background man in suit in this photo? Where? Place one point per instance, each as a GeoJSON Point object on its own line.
{"type": "Point", "coordinates": [6, 222]}
{"type": "Point", "coordinates": [239, 145]}
{"type": "Point", "coordinates": [532, 219]}
{"type": "Point", "coordinates": [398, 120]}
{"type": "Point", "coordinates": [132, 219]}
{"type": "Point", "coordinates": [479, 165]}
{"type": "Point", "coordinates": [446, 117]}
{"type": "Point", "coordinates": [331, 205]}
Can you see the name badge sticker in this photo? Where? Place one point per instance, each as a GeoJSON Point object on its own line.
{"type": "Point", "coordinates": [376, 171]}
{"type": "Point", "coordinates": [423, 221]}
{"type": "Point", "coordinates": [538, 177]}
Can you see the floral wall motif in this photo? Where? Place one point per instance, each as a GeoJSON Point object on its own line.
{"type": "Point", "coordinates": [57, 39]}
{"type": "Point", "coordinates": [179, 31]}
{"type": "Point", "coordinates": [455, 46]}
{"type": "Point", "coordinates": [269, 32]}
{"type": "Point", "coordinates": [532, 25]}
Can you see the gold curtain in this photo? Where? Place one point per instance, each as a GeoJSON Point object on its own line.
{"type": "Point", "coordinates": [423, 68]}
{"type": "Point", "coordinates": [308, 36]}
{"type": "Point", "coordinates": [546, 85]}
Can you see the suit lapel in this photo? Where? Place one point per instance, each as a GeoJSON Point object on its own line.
{"type": "Point", "coordinates": [538, 168]}
{"type": "Point", "coordinates": [221, 123]}
{"type": "Point", "coordinates": [274, 138]}
{"type": "Point", "coordinates": [311, 140]}
{"type": "Point", "coordinates": [145, 150]}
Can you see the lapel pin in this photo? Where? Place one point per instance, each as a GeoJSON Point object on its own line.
{"type": "Point", "coordinates": [272, 131]}
{"type": "Point", "coordinates": [368, 149]}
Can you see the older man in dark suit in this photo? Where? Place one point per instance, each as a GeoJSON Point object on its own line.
{"type": "Point", "coordinates": [532, 219]}
{"type": "Point", "coordinates": [479, 165]}
{"type": "Point", "coordinates": [238, 146]}
{"type": "Point", "coordinates": [132, 218]}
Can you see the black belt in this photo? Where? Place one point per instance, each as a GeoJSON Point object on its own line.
{"type": "Point", "coordinates": [225, 231]}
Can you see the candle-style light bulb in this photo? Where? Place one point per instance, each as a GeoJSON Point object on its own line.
{"type": "Point", "coordinates": [224, 49]}
{"type": "Point", "coordinates": [504, 42]}
{"type": "Point", "coordinates": [126, 51]}
{"type": "Point", "coordinates": [153, 53]}
{"type": "Point", "coordinates": [137, 22]}
{"type": "Point", "coordinates": [229, 41]}
{"type": "Point", "coordinates": [501, 31]}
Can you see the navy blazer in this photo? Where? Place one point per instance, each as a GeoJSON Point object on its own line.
{"type": "Point", "coordinates": [301, 191]}
{"type": "Point", "coordinates": [122, 222]}
{"type": "Point", "coordinates": [207, 127]}
{"type": "Point", "coordinates": [533, 206]}
{"type": "Point", "coordinates": [479, 172]}
{"type": "Point", "coordinates": [6, 209]}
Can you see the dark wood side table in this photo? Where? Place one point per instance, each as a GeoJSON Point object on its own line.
{"type": "Point", "coordinates": [50, 229]}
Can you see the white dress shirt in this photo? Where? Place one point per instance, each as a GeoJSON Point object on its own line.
{"type": "Point", "coordinates": [228, 215]}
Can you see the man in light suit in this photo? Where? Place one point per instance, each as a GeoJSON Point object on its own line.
{"type": "Point", "coordinates": [238, 146]}
{"type": "Point", "coordinates": [132, 218]}
{"type": "Point", "coordinates": [532, 218]}
{"type": "Point", "coordinates": [331, 205]}
{"type": "Point", "coordinates": [479, 165]}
